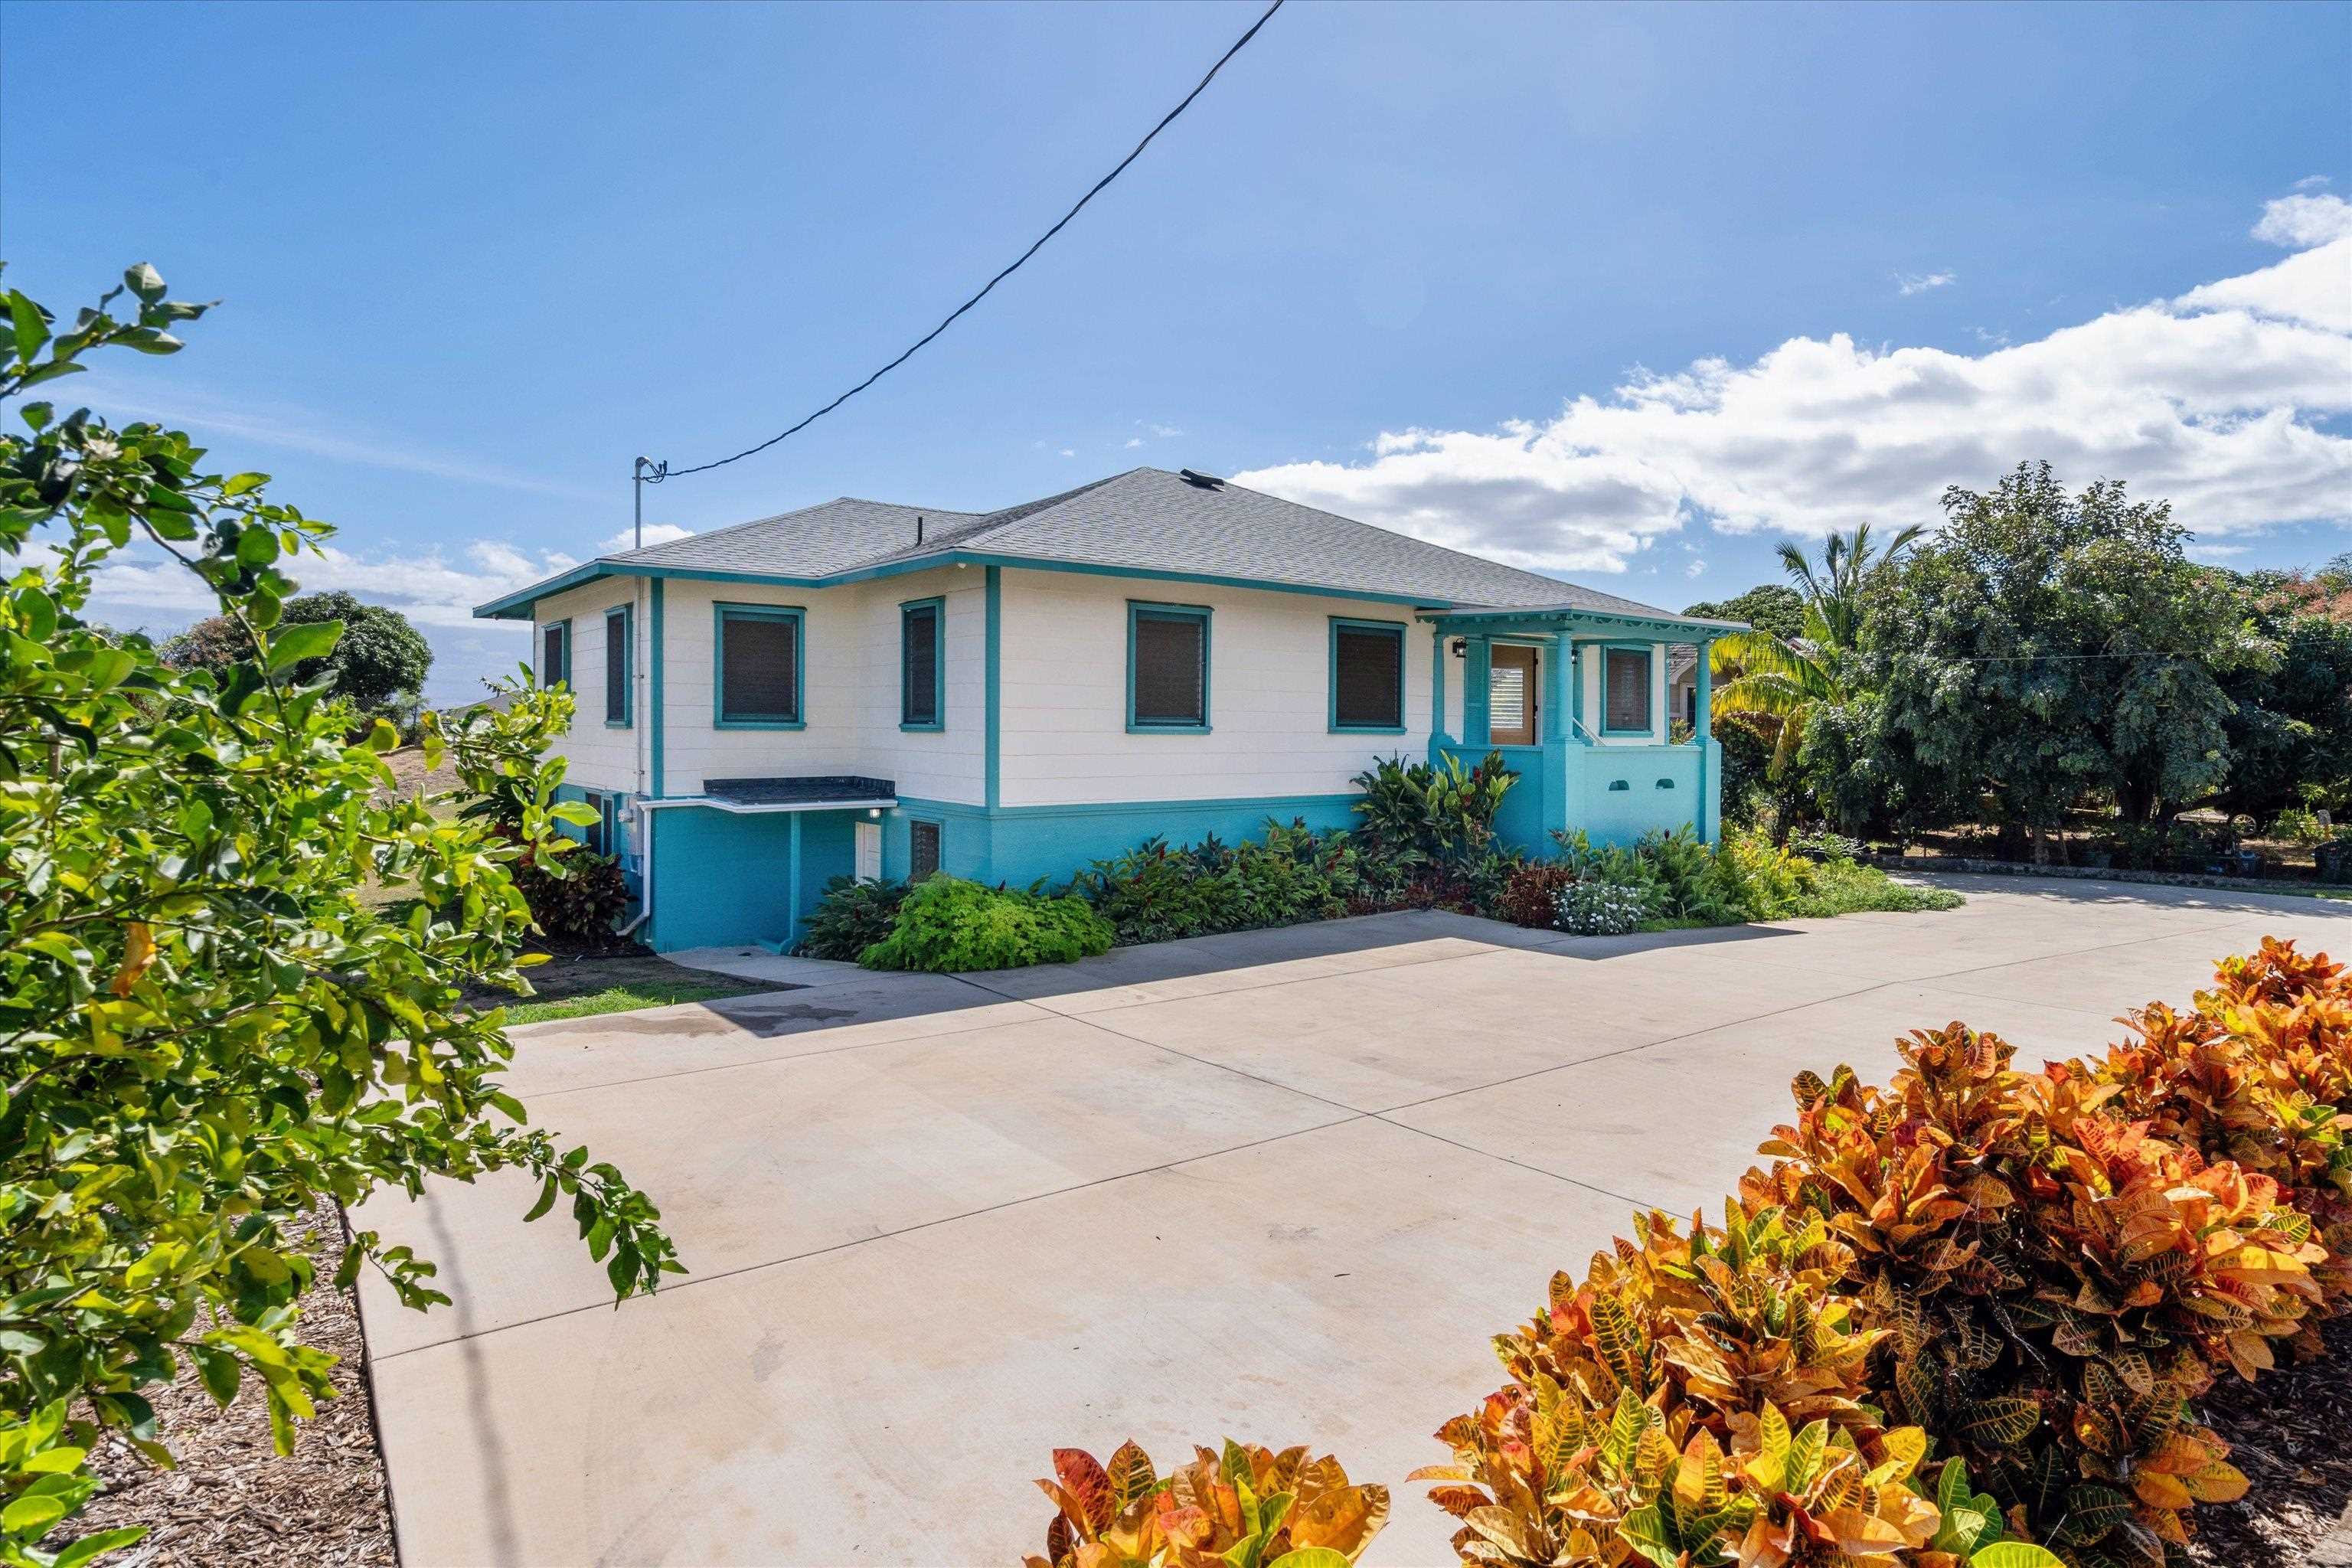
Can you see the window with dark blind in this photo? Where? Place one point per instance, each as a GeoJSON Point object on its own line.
{"type": "Point", "coordinates": [920, 675]}
{"type": "Point", "coordinates": [759, 665]}
{"type": "Point", "coordinates": [1367, 676]}
{"type": "Point", "coordinates": [922, 850]}
{"type": "Point", "coordinates": [618, 660]}
{"type": "Point", "coordinates": [555, 654]}
{"type": "Point", "coordinates": [1167, 668]}
{"type": "Point", "coordinates": [1625, 694]}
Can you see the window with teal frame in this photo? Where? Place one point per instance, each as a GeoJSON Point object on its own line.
{"type": "Point", "coordinates": [1167, 668]}
{"type": "Point", "coordinates": [555, 654]}
{"type": "Point", "coordinates": [1367, 677]}
{"type": "Point", "coordinates": [620, 645]}
{"type": "Point", "coordinates": [1625, 691]}
{"type": "Point", "coordinates": [758, 667]}
{"type": "Point", "coordinates": [922, 670]}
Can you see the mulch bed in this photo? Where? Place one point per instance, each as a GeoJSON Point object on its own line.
{"type": "Point", "coordinates": [233, 1499]}
{"type": "Point", "coordinates": [2289, 1433]}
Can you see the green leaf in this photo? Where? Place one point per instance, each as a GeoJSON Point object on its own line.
{"type": "Point", "coordinates": [104, 1540]}
{"type": "Point", "coordinates": [220, 1371]}
{"type": "Point", "coordinates": [312, 639]}
{"type": "Point", "coordinates": [1311, 1557]}
{"type": "Point", "coordinates": [30, 330]}
{"type": "Point", "coordinates": [2016, 1554]}
{"type": "Point", "coordinates": [144, 281]}
{"type": "Point", "coordinates": [33, 1513]}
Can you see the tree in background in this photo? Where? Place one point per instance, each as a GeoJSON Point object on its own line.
{"type": "Point", "coordinates": [2290, 738]}
{"type": "Point", "coordinates": [1837, 597]}
{"type": "Point", "coordinates": [1771, 607]}
{"type": "Point", "coordinates": [2045, 645]}
{"type": "Point", "coordinates": [204, 1031]}
{"type": "Point", "coordinates": [379, 664]}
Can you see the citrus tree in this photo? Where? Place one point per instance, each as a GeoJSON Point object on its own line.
{"type": "Point", "coordinates": [205, 1030]}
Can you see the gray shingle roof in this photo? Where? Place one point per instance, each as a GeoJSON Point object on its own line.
{"type": "Point", "coordinates": [1145, 520]}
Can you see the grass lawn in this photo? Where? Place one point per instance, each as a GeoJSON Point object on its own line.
{"type": "Point", "coordinates": [628, 996]}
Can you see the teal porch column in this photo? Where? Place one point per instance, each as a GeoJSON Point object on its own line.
{"type": "Point", "coordinates": [1438, 737]}
{"type": "Point", "coordinates": [1553, 736]}
{"type": "Point", "coordinates": [1710, 809]}
{"type": "Point", "coordinates": [1582, 731]}
{"type": "Point", "coordinates": [1477, 693]}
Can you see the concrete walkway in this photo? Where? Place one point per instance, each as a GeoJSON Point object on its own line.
{"type": "Point", "coordinates": [1280, 1185]}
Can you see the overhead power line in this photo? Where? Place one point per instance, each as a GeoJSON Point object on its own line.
{"type": "Point", "coordinates": [1096, 190]}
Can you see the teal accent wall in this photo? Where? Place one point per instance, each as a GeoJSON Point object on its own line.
{"type": "Point", "coordinates": [1018, 845]}
{"type": "Point", "coordinates": [731, 880]}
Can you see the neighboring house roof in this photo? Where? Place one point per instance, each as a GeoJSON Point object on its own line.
{"type": "Point", "coordinates": [1145, 520]}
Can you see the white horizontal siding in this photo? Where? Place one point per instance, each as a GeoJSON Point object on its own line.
{"type": "Point", "coordinates": [1063, 739]}
{"type": "Point", "coordinates": [596, 756]}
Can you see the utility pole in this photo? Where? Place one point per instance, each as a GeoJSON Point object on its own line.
{"type": "Point", "coordinates": [645, 472]}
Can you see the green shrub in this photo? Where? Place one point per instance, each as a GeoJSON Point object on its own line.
{"type": "Point", "coordinates": [949, 925]}
{"type": "Point", "coordinates": [1842, 888]}
{"type": "Point", "coordinates": [1442, 812]}
{"type": "Point", "coordinates": [850, 917]}
{"type": "Point", "coordinates": [1155, 893]}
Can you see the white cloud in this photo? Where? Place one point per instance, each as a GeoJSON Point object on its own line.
{"type": "Point", "coordinates": [2311, 181]}
{"type": "Point", "coordinates": [2214, 400]}
{"type": "Point", "coordinates": [1909, 283]}
{"type": "Point", "coordinates": [1069, 452]}
{"type": "Point", "coordinates": [2298, 221]}
{"type": "Point", "coordinates": [1697, 568]}
{"type": "Point", "coordinates": [656, 533]}
{"type": "Point", "coordinates": [1133, 442]}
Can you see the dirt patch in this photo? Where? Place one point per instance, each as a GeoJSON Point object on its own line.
{"type": "Point", "coordinates": [2287, 1432]}
{"type": "Point", "coordinates": [233, 1499]}
{"type": "Point", "coordinates": [408, 768]}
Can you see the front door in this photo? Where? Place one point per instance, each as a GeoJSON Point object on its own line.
{"type": "Point", "coordinates": [1511, 696]}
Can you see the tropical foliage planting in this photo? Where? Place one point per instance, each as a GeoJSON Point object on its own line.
{"type": "Point", "coordinates": [2045, 657]}
{"type": "Point", "coordinates": [205, 1029]}
{"type": "Point", "coordinates": [949, 925]}
{"type": "Point", "coordinates": [1244, 1507]}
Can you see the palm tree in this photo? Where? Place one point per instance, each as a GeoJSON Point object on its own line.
{"type": "Point", "coordinates": [1850, 567]}
{"type": "Point", "coordinates": [1781, 682]}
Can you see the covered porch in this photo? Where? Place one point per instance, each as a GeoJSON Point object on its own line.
{"type": "Point", "coordinates": [1577, 703]}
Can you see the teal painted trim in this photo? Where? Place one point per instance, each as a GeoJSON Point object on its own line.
{"type": "Point", "coordinates": [654, 695]}
{"type": "Point", "coordinates": [992, 682]}
{"type": "Point", "coordinates": [628, 616]}
{"type": "Point", "coordinates": [1390, 628]}
{"type": "Point", "coordinates": [938, 719]}
{"type": "Point", "coordinates": [1576, 693]}
{"type": "Point", "coordinates": [538, 651]}
{"type": "Point", "coordinates": [1478, 693]}
{"type": "Point", "coordinates": [1494, 620]}
{"type": "Point", "coordinates": [720, 614]}
{"type": "Point", "coordinates": [1141, 610]}
{"type": "Point", "coordinates": [1649, 702]}
{"type": "Point", "coordinates": [517, 605]}
{"type": "Point", "coordinates": [793, 873]}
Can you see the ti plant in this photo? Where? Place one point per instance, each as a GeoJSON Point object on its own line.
{"type": "Point", "coordinates": [1246, 1507]}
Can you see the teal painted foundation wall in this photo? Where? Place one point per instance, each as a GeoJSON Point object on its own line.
{"type": "Point", "coordinates": [1017, 845]}
{"type": "Point", "coordinates": [730, 880]}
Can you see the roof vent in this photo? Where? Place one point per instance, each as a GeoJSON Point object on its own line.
{"type": "Point", "coordinates": [1205, 481]}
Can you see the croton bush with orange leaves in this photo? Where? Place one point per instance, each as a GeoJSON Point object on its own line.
{"type": "Point", "coordinates": [1964, 1318]}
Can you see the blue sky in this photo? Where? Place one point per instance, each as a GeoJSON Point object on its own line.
{"type": "Point", "coordinates": [1622, 294]}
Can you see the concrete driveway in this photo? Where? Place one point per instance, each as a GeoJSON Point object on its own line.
{"type": "Point", "coordinates": [1280, 1185]}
